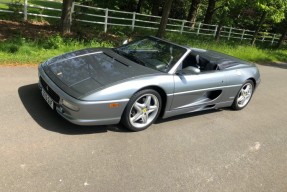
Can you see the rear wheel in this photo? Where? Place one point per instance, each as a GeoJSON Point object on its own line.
{"type": "Point", "coordinates": [244, 95]}
{"type": "Point", "coordinates": [142, 110]}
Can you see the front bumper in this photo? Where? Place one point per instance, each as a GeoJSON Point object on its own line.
{"type": "Point", "coordinates": [90, 112]}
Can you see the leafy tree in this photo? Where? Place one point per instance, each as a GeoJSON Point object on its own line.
{"type": "Point", "coordinates": [284, 32]}
{"type": "Point", "coordinates": [224, 11]}
{"type": "Point", "coordinates": [275, 9]}
{"type": "Point", "coordinates": [178, 9]}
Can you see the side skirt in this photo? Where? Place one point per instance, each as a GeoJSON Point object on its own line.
{"type": "Point", "coordinates": [196, 109]}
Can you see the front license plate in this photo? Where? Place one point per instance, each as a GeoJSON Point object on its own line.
{"type": "Point", "coordinates": [48, 99]}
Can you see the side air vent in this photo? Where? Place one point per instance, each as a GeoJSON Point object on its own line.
{"type": "Point", "coordinates": [214, 94]}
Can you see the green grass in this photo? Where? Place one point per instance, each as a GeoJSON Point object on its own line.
{"type": "Point", "coordinates": [260, 53]}
{"type": "Point", "coordinates": [22, 51]}
{"type": "Point", "coordinates": [33, 51]}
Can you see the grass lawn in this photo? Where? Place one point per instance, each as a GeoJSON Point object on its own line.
{"type": "Point", "coordinates": [24, 48]}
{"type": "Point", "coordinates": [22, 51]}
{"type": "Point", "coordinates": [27, 51]}
{"type": "Point", "coordinates": [242, 50]}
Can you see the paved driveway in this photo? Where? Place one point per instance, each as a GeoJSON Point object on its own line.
{"type": "Point", "coordinates": [220, 150]}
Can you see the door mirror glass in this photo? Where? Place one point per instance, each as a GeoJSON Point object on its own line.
{"type": "Point", "coordinates": [189, 70]}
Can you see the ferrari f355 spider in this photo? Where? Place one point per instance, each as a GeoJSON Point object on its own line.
{"type": "Point", "coordinates": [137, 82]}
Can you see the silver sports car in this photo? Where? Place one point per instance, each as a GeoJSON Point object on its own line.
{"type": "Point", "coordinates": [136, 83]}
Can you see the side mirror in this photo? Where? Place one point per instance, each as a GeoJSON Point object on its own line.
{"type": "Point", "coordinates": [190, 70]}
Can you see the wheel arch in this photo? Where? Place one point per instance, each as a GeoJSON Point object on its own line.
{"type": "Point", "coordinates": [253, 80]}
{"type": "Point", "coordinates": [162, 94]}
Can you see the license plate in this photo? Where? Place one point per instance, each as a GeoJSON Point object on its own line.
{"type": "Point", "coordinates": [48, 99]}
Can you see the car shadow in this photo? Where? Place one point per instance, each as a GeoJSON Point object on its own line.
{"type": "Point", "coordinates": [51, 120]}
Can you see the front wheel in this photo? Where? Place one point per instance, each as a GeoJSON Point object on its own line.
{"type": "Point", "coordinates": [244, 95]}
{"type": "Point", "coordinates": [142, 110]}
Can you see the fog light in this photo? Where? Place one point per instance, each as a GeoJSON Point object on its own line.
{"type": "Point", "coordinates": [70, 105]}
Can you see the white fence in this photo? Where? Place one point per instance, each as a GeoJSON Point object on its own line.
{"type": "Point", "coordinates": [109, 17]}
{"type": "Point", "coordinates": [24, 9]}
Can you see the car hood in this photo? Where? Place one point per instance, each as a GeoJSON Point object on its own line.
{"type": "Point", "coordinates": [82, 72]}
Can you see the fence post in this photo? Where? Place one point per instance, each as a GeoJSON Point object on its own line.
{"type": "Point", "coordinates": [273, 39]}
{"type": "Point", "coordinates": [216, 27]}
{"type": "Point", "coordinates": [263, 38]}
{"type": "Point", "coordinates": [229, 34]}
{"type": "Point", "coordinates": [25, 9]}
{"type": "Point", "coordinates": [198, 29]}
{"type": "Point", "coordinates": [242, 36]}
{"type": "Point", "coordinates": [133, 21]}
{"type": "Point", "coordinates": [106, 19]}
{"type": "Point", "coordinates": [182, 26]}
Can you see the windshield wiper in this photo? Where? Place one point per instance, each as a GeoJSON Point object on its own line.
{"type": "Point", "coordinates": [129, 56]}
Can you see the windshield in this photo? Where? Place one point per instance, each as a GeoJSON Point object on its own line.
{"type": "Point", "coordinates": [152, 53]}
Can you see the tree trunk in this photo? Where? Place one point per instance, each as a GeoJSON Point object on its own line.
{"type": "Point", "coordinates": [281, 40]}
{"type": "Point", "coordinates": [139, 5]}
{"type": "Point", "coordinates": [262, 19]}
{"type": "Point", "coordinates": [219, 28]}
{"type": "Point", "coordinates": [220, 25]}
{"type": "Point", "coordinates": [193, 12]}
{"type": "Point", "coordinates": [209, 11]}
{"type": "Point", "coordinates": [164, 18]}
{"type": "Point", "coordinates": [66, 18]}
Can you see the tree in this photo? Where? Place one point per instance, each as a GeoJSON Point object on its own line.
{"type": "Point", "coordinates": [155, 7]}
{"type": "Point", "coordinates": [209, 11]}
{"type": "Point", "coordinates": [277, 9]}
{"type": "Point", "coordinates": [164, 18]}
{"type": "Point", "coordinates": [284, 33]}
{"type": "Point", "coordinates": [66, 18]}
{"type": "Point", "coordinates": [139, 5]}
{"type": "Point", "coordinates": [220, 25]}
{"type": "Point", "coordinates": [178, 10]}
{"type": "Point", "coordinates": [224, 11]}
{"type": "Point", "coordinates": [261, 21]}
{"type": "Point", "coordinates": [193, 11]}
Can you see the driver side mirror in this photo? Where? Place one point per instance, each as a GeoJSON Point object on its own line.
{"type": "Point", "coordinates": [189, 70]}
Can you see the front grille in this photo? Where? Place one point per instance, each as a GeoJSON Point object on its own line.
{"type": "Point", "coordinates": [48, 89]}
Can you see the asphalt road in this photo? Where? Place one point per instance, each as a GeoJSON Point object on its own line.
{"type": "Point", "coordinates": [219, 150]}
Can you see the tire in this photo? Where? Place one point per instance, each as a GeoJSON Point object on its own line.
{"type": "Point", "coordinates": [244, 95]}
{"type": "Point", "coordinates": [142, 110]}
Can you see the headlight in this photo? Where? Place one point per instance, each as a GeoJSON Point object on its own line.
{"type": "Point", "coordinates": [70, 105]}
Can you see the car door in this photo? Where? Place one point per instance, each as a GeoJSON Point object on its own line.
{"type": "Point", "coordinates": [194, 92]}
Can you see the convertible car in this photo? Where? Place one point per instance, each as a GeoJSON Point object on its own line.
{"type": "Point", "coordinates": [137, 82]}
